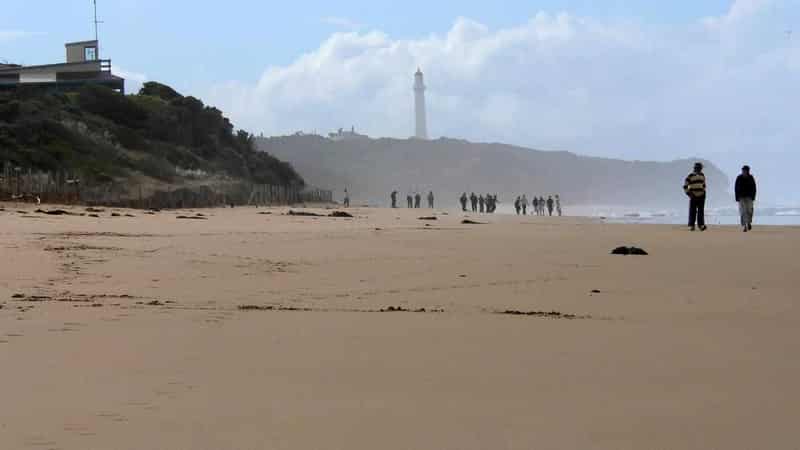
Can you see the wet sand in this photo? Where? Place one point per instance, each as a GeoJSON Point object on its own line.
{"type": "Point", "coordinates": [242, 330]}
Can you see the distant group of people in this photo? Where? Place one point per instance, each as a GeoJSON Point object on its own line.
{"type": "Point", "coordinates": [413, 201]}
{"type": "Point", "coordinates": [696, 189]}
{"type": "Point", "coordinates": [538, 205]}
{"type": "Point", "coordinates": [480, 204]}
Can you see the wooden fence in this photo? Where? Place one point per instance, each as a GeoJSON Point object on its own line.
{"type": "Point", "coordinates": [266, 195]}
{"type": "Point", "coordinates": [71, 188]}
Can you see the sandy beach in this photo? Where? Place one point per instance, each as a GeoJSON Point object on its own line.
{"type": "Point", "coordinates": [251, 329]}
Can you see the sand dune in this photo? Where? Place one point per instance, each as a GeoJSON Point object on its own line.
{"type": "Point", "coordinates": [248, 330]}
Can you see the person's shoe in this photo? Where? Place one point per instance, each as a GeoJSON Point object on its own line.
{"type": "Point", "coordinates": [745, 229]}
{"type": "Point", "coordinates": [691, 228]}
{"type": "Point", "coordinates": [749, 226]}
{"type": "Point", "coordinates": [703, 228]}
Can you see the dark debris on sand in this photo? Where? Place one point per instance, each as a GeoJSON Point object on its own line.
{"type": "Point", "coordinates": [341, 214]}
{"type": "Point", "coordinates": [471, 222]}
{"type": "Point", "coordinates": [54, 212]}
{"type": "Point", "coordinates": [402, 309]}
{"type": "Point", "coordinates": [544, 314]}
{"type": "Point", "coordinates": [429, 218]}
{"type": "Point", "coordinates": [389, 309]}
{"type": "Point", "coordinates": [271, 308]}
{"type": "Point", "coordinates": [195, 217]}
{"type": "Point", "coordinates": [303, 214]}
{"type": "Point", "coordinates": [629, 251]}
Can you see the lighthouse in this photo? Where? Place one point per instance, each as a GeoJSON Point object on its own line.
{"type": "Point", "coordinates": [419, 106]}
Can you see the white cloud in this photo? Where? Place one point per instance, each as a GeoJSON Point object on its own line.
{"type": "Point", "coordinates": [723, 88]}
{"type": "Point", "coordinates": [740, 10]}
{"type": "Point", "coordinates": [341, 22]}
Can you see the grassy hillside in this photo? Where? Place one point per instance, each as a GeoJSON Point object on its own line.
{"type": "Point", "coordinates": [156, 134]}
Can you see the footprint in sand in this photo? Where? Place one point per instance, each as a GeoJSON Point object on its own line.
{"type": "Point", "coordinates": [174, 389]}
{"type": "Point", "coordinates": [81, 430]}
{"type": "Point", "coordinates": [41, 442]}
{"type": "Point", "coordinates": [112, 416]}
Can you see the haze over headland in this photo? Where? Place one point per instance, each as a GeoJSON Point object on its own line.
{"type": "Point", "coordinates": [372, 168]}
{"type": "Point", "coordinates": [714, 80]}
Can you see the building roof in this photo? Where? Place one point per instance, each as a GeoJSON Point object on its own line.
{"type": "Point", "coordinates": [16, 68]}
{"type": "Point", "coordinates": [70, 44]}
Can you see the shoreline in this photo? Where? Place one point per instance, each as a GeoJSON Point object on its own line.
{"type": "Point", "coordinates": [727, 220]}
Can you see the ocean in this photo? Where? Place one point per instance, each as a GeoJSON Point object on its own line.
{"type": "Point", "coordinates": [768, 216]}
{"type": "Point", "coordinates": [772, 216]}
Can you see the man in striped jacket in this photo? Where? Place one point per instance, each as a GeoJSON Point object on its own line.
{"type": "Point", "coordinates": [695, 189]}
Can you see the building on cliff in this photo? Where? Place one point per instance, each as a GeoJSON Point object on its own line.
{"type": "Point", "coordinates": [83, 67]}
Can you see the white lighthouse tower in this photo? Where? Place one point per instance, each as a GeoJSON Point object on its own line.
{"type": "Point", "coordinates": [419, 106]}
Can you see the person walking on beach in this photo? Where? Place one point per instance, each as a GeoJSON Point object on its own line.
{"type": "Point", "coordinates": [550, 205]}
{"type": "Point", "coordinates": [517, 205]}
{"type": "Point", "coordinates": [473, 199]}
{"type": "Point", "coordinates": [695, 189]}
{"type": "Point", "coordinates": [535, 206]}
{"type": "Point", "coordinates": [481, 204]}
{"type": "Point", "coordinates": [745, 191]}
{"type": "Point", "coordinates": [430, 199]}
{"type": "Point", "coordinates": [524, 204]}
{"type": "Point", "coordinates": [463, 200]}
{"type": "Point", "coordinates": [491, 203]}
{"type": "Point", "coordinates": [346, 199]}
{"type": "Point", "coordinates": [393, 195]}
{"type": "Point", "coordinates": [418, 200]}
{"type": "Point", "coordinates": [541, 206]}
{"type": "Point", "coordinates": [558, 205]}
{"type": "Point", "coordinates": [410, 201]}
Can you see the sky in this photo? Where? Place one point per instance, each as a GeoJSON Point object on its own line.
{"type": "Point", "coordinates": [646, 80]}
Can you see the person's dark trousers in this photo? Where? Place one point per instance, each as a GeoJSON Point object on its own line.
{"type": "Point", "coordinates": [697, 211]}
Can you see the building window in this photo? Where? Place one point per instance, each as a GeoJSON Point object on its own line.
{"type": "Point", "coordinates": [89, 53]}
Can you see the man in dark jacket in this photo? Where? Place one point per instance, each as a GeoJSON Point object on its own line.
{"type": "Point", "coordinates": [695, 189]}
{"type": "Point", "coordinates": [745, 195]}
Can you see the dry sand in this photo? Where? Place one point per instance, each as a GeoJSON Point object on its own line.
{"type": "Point", "coordinates": [129, 335]}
